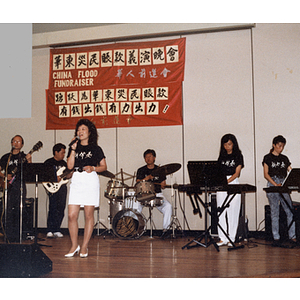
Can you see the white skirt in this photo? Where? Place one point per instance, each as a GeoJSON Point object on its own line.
{"type": "Point", "coordinates": [84, 189]}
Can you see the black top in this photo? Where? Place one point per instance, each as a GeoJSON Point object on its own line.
{"type": "Point", "coordinates": [145, 171]}
{"type": "Point", "coordinates": [89, 155]}
{"type": "Point", "coordinates": [278, 164]}
{"type": "Point", "coordinates": [57, 164]}
{"type": "Point", "coordinates": [14, 162]}
{"type": "Point", "coordinates": [230, 162]}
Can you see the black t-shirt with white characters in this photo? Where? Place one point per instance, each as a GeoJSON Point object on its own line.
{"type": "Point", "coordinates": [230, 162]}
{"type": "Point", "coordinates": [14, 162]}
{"type": "Point", "coordinates": [89, 155]}
{"type": "Point", "coordinates": [57, 164]}
{"type": "Point", "coordinates": [278, 164]}
{"type": "Point", "coordinates": [145, 171]}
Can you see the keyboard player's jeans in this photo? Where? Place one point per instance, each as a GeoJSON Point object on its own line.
{"type": "Point", "coordinates": [274, 200]}
{"type": "Point", "coordinates": [232, 212]}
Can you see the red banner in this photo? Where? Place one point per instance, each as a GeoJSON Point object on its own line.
{"type": "Point", "coordinates": [117, 85]}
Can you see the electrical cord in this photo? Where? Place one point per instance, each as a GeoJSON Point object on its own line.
{"type": "Point", "coordinates": [183, 212]}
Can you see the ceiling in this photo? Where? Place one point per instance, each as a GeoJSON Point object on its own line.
{"type": "Point", "coordinates": [48, 27]}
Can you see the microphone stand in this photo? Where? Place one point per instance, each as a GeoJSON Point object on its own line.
{"type": "Point", "coordinates": [6, 197]}
{"type": "Point", "coordinates": [21, 200]}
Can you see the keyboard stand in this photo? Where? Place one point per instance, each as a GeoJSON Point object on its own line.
{"type": "Point", "coordinates": [221, 210]}
{"type": "Point", "coordinates": [208, 239]}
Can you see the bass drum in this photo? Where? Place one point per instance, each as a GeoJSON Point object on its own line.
{"type": "Point", "coordinates": [129, 224]}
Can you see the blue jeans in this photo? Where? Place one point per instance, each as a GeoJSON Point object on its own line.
{"type": "Point", "coordinates": [274, 200]}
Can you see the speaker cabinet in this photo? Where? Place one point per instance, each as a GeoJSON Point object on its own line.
{"type": "Point", "coordinates": [13, 222]}
{"type": "Point", "coordinates": [23, 261]}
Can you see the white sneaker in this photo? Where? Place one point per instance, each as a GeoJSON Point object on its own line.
{"type": "Point", "coordinates": [58, 234]}
{"type": "Point", "coordinates": [221, 243]}
{"type": "Point", "coordinates": [50, 234]}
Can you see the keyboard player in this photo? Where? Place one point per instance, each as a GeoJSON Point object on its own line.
{"type": "Point", "coordinates": [276, 165]}
{"type": "Point", "coordinates": [232, 162]}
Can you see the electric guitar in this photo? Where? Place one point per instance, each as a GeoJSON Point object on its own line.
{"type": "Point", "coordinates": [53, 187]}
{"type": "Point", "coordinates": [35, 148]}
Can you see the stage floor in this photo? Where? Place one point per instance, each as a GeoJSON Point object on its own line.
{"type": "Point", "coordinates": [112, 257]}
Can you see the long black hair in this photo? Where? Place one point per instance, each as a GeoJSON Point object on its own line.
{"type": "Point", "coordinates": [93, 138]}
{"type": "Point", "coordinates": [229, 137]}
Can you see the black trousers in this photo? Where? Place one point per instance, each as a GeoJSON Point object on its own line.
{"type": "Point", "coordinates": [57, 205]}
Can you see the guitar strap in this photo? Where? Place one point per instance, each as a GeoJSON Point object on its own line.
{"type": "Point", "coordinates": [6, 169]}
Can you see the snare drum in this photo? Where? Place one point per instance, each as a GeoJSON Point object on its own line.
{"type": "Point", "coordinates": [116, 190]}
{"type": "Point", "coordinates": [129, 224]}
{"type": "Point", "coordinates": [144, 191]}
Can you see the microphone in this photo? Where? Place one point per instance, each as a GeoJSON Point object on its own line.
{"type": "Point", "coordinates": [74, 141]}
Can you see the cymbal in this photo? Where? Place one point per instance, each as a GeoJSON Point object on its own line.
{"type": "Point", "coordinates": [166, 169]}
{"type": "Point", "coordinates": [107, 174]}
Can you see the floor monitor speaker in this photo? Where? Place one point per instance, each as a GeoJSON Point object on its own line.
{"type": "Point", "coordinates": [23, 261]}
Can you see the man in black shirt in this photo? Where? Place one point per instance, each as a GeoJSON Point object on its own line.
{"type": "Point", "coordinates": [11, 171]}
{"type": "Point", "coordinates": [145, 174]}
{"type": "Point", "coordinates": [57, 199]}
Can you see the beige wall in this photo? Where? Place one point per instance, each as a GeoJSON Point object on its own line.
{"type": "Point", "coordinates": [243, 81]}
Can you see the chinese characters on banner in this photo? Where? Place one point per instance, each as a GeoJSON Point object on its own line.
{"type": "Point", "coordinates": [117, 85]}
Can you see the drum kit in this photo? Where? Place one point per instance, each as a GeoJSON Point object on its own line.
{"type": "Point", "coordinates": [126, 201]}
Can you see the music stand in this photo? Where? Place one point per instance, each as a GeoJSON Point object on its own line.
{"type": "Point", "coordinates": [206, 175]}
{"type": "Point", "coordinates": [37, 173]}
{"type": "Point", "coordinates": [292, 180]}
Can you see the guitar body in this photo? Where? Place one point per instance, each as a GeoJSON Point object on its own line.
{"type": "Point", "coordinates": [53, 187]}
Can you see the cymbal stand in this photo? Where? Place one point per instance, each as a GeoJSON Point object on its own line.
{"type": "Point", "coordinates": [99, 223]}
{"type": "Point", "coordinates": [122, 179]}
{"type": "Point", "coordinates": [174, 224]}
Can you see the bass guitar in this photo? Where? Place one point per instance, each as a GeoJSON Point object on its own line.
{"type": "Point", "coordinates": [35, 148]}
{"type": "Point", "coordinates": [53, 187]}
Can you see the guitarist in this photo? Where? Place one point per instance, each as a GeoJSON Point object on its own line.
{"type": "Point", "coordinates": [10, 168]}
{"type": "Point", "coordinates": [57, 201]}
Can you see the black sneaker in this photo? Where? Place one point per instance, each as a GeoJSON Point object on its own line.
{"type": "Point", "coordinates": [276, 243]}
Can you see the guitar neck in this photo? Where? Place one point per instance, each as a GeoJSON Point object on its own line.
{"type": "Point", "coordinates": [35, 148]}
{"type": "Point", "coordinates": [65, 173]}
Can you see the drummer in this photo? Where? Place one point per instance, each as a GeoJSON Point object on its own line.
{"type": "Point", "coordinates": [144, 173]}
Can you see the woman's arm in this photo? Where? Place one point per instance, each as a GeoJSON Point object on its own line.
{"type": "Point", "coordinates": [71, 160]}
{"type": "Point", "coordinates": [236, 174]}
{"type": "Point", "coordinates": [267, 176]}
{"type": "Point", "coordinates": [101, 167]}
